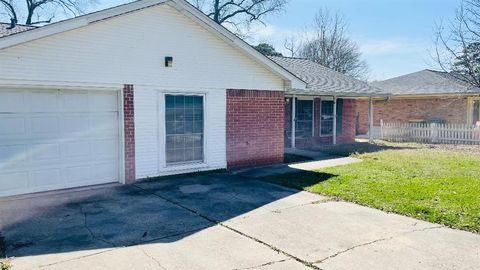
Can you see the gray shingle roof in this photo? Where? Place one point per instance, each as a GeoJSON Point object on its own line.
{"type": "Point", "coordinates": [426, 82]}
{"type": "Point", "coordinates": [5, 31]}
{"type": "Point", "coordinates": [324, 81]}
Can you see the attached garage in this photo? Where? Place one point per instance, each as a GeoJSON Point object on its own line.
{"type": "Point", "coordinates": [141, 90]}
{"type": "Point", "coordinates": [57, 139]}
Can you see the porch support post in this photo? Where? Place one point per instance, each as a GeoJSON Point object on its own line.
{"type": "Point", "coordinates": [334, 120]}
{"type": "Point", "coordinates": [370, 120]}
{"type": "Point", "coordinates": [294, 99]}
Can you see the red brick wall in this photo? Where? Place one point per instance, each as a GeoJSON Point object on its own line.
{"type": "Point", "coordinates": [255, 127]}
{"type": "Point", "coordinates": [453, 110]}
{"type": "Point", "coordinates": [129, 130]}
{"type": "Point", "coordinates": [348, 129]}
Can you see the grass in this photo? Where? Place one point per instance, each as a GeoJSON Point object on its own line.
{"type": "Point", "coordinates": [5, 264]}
{"type": "Point", "coordinates": [436, 184]}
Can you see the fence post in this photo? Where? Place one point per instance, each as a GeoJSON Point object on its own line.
{"type": "Point", "coordinates": [381, 128]}
{"type": "Point", "coordinates": [434, 131]}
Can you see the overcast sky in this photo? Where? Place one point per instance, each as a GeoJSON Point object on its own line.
{"type": "Point", "coordinates": [395, 36]}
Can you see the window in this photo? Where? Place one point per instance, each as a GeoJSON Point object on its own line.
{"type": "Point", "coordinates": [304, 118]}
{"type": "Point", "coordinates": [326, 118]}
{"type": "Point", "coordinates": [184, 128]}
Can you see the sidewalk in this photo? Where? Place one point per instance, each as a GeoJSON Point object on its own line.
{"type": "Point", "coordinates": [320, 161]}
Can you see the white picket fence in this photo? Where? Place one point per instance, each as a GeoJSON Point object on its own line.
{"type": "Point", "coordinates": [430, 133]}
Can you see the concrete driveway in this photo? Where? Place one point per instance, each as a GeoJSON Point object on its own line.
{"type": "Point", "coordinates": [221, 222]}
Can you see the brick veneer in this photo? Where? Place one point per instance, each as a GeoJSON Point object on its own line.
{"type": "Point", "coordinates": [348, 125]}
{"type": "Point", "coordinates": [255, 127]}
{"type": "Point", "coordinates": [452, 110]}
{"type": "Point", "coordinates": [129, 131]}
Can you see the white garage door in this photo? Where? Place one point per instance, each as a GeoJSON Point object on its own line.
{"type": "Point", "coordinates": [57, 139]}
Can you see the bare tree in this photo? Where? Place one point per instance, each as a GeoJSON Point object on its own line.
{"type": "Point", "coordinates": [42, 11]}
{"type": "Point", "coordinates": [292, 44]}
{"type": "Point", "coordinates": [239, 13]}
{"type": "Point", "coordinates": [457, 46]}
{"type": "Point", "coordinates": [327, 43]}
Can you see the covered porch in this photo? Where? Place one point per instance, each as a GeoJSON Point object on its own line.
{"type": "Point", "coordinates": [314, 120]}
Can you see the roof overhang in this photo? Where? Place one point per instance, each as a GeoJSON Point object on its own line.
{"type": "Point", "coordinates": [299, 92]}
{"type": "Point", "coordinates": [290, 80]}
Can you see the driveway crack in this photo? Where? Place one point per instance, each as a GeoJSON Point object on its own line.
{"type": "Point", "coordinates": [373, 242]}
{"type": "Point", "coordinates": [262, 265]}
{"type": "Point", "coordinates": [90, 230]}
{"type": "Point", "coordinates": [152, 258]}
{"type": "Point", "coordinates": [308, 264]}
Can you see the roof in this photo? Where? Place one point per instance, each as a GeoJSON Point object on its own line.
{"type": "Point", "coordinates": [426, 82]}
{"type": "Point", "coordinates": [182, 6]}
{"type": "Point", "coordinates": [325, 81]}
{"type": "Point", "coordinates": [6, 31]}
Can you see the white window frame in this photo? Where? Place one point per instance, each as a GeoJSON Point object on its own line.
{"type": "Point", "coordinates": [163, 122]}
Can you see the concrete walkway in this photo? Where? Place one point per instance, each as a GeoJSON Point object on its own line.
{"type": "Point", "coordinates": [221, 222]}
{"type": "Point", "coordinates": [320, 161]}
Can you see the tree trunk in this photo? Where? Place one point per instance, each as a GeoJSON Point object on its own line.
{"type": "Point", "coordinates": [216, 12]}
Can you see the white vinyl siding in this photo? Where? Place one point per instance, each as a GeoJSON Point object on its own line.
{"type": "Point", "coordinates": [132, 48]}
{"type": "Point", "coordinates": [150, 131]}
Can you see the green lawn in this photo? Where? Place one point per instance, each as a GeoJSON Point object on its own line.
{"type": "Point", "coordinates": [434, 184]}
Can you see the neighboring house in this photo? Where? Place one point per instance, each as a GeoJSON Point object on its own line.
{"type": "Point", "coordinates": [314, 108]}
{"type": "Point", "coordinates": [146, 89]}
{"type": "Point", "coordinates": [423, 96]}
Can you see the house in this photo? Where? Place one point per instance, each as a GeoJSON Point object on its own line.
{"type": "Point", "coordinates": [324, 112]}
{"type": "Point", "coordinates": [422, 96]}
{"type": "Point", "coordinates": [150, 88]}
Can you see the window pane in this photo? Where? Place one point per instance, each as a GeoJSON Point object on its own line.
{"type": "Point", "coordinates": [184, 128]}
{"type": "Point", "coordinates": [169, 102]}
{"type": "Point", "coordinates": [304, 118]}
{"type": "Point", "coordinates": [326, 118]}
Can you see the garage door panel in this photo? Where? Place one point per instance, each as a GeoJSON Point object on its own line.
{"type": "Point", "coordinates": [106, 171]}
{"type": "Point", "coordinates": [46, 178]}
{"type": "Point", "coordinates": [12, 153]}
{"type": "Point", "coordinates": [77, 149]}
{"type": "Point", "coordinates": [77, 124]}
{"type": "Point", "coordinates": [12, 126]}
{"type": "Point", "coordinates": [104, 125]}
{"type": "Point", "coordinates": [105, 149]}
{"type": "Point", "coordinates": [78, 174]}
{"type": "Point", "coordinates": [103, 102]}
{"type": "Point", "coordinates": [45, 125]}
{"type": "Point", "coordinates": [59, 139]}
{"type": "Point", "coordinates": [13, 181]}
{"type": "Point", "coordinates": [43, 101]}
{"type": "Point", "coordinates": [44, 152]}
{"type": "Point", "coordinates": [75, 102]}
{"type": "Point", "coordinates": [12, 102]}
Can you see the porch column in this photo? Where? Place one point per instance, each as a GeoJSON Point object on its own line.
{"type": "Point", "coordinates": [334, 120]}
{"type": "Point", "coordinates": [293, 120]}
{"type": "Point", "coordinates": [370, 120]}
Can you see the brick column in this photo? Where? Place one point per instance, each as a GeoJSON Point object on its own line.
{"type": "Point", "coordinates": [129, 132]}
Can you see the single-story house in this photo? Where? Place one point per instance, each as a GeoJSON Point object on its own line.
{"type": "Point", "coordinates": [425, 95]}
{"type": "Point", "coordinates": [324, 112]}
{"type": "Point", "coordinates": [146, 89]}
